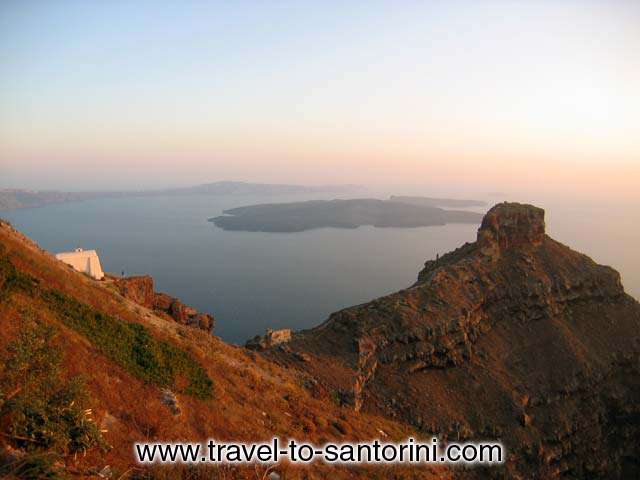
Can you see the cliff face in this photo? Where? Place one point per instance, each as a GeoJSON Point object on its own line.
{"type": "Point", "coordinates": [514, 336]}
{"type": "Point", "coordinates": [140, 289]}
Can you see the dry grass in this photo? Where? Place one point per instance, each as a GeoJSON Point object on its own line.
{"type": "Point", "coordinates": [253, 399]}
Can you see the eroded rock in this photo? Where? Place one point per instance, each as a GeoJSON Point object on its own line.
{"type": "Point", "coordinates": [271, 339]}
{"type": "Point", "coordinates": [140, 289]}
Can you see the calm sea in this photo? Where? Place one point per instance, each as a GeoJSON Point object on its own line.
{"type": "Point", "coordinates": [253, 281]}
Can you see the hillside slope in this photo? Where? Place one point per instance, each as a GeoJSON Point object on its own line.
{"type": "Point", "coordinates": [223, 392]}
{"type": "Point", "coordinates": [514, 336]}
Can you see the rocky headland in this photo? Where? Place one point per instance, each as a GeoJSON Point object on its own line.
{"type": "Point", "coordinates": [514, 336]}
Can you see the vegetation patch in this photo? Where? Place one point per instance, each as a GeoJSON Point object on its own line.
{"type": "Point", "coordinates": [42, 414]}
{"type": "Point", "coordinates": [129, 344]}
{"type": "Point", "coordinates": [11, 279]}
{"type": "Point", "coordinates": [133, 347]}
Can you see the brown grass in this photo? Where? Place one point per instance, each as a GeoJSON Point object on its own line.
{"type": "Point", "coordinates": [253, 398]}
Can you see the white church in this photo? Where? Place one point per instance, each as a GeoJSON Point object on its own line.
{"type": "Point", "coordinates": [85, 261]}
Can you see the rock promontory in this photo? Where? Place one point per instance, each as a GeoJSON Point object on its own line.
{"type": "Point", "coordinates": [509, 225]}
{"type": "Point", "coordinates": [513, 337]}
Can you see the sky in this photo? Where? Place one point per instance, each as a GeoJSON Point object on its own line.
{"type": "Point", "coordinates": [490, 95]}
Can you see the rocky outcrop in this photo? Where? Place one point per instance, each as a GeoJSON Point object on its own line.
{"type": "Point", "coordinates": [509, 225]}
{"type": "Point", "coordinates": [514, 336]}
{"type": "Point", "coordinates": [187, 315]}
{"type": "Point", "coordinates": [269, 339]}
{"type": "Point", "coordinates": [169, 399]}
{"type": "Point", "coordinates": [140, 289]}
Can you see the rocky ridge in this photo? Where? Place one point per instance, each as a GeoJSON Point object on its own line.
{"type": "Point", "coordinates": [514, 336]}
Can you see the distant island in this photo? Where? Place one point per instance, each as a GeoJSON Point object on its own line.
{"type": "Point", "coordinates": [300, 216]}
{"type": "Point", "coordinates": [11, 199]}
{"type": "Point", "coordinates": [21, 198]}
{"type": "Point", "coordinates": [438, 202]}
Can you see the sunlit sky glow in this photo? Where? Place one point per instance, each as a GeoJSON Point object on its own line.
{"type": "Point", "coordinates": [135, 94]}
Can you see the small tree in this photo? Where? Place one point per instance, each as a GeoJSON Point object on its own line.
{"type": "Point", "coordinates": [41, 412]}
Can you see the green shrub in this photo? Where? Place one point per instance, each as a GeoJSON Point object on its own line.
{"type": "Point", "coordinates": [39, 409]}
{"type": "Point", "coordinates": [11, 279]}
{"type": "Point", "coordinates": [35, 466]}
{"type": "Point", "coordinates": [132, 346]}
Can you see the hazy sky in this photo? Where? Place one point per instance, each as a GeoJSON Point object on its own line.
{"type": "Point", "coordinates": [126, 94]}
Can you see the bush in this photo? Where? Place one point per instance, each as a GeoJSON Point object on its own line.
{"type": "Point", "coordinates": [11, 279]}
{"type": "Point", "coordinates": [40, 410]}
{"type": "Point", "coordinates": [34, 466]}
